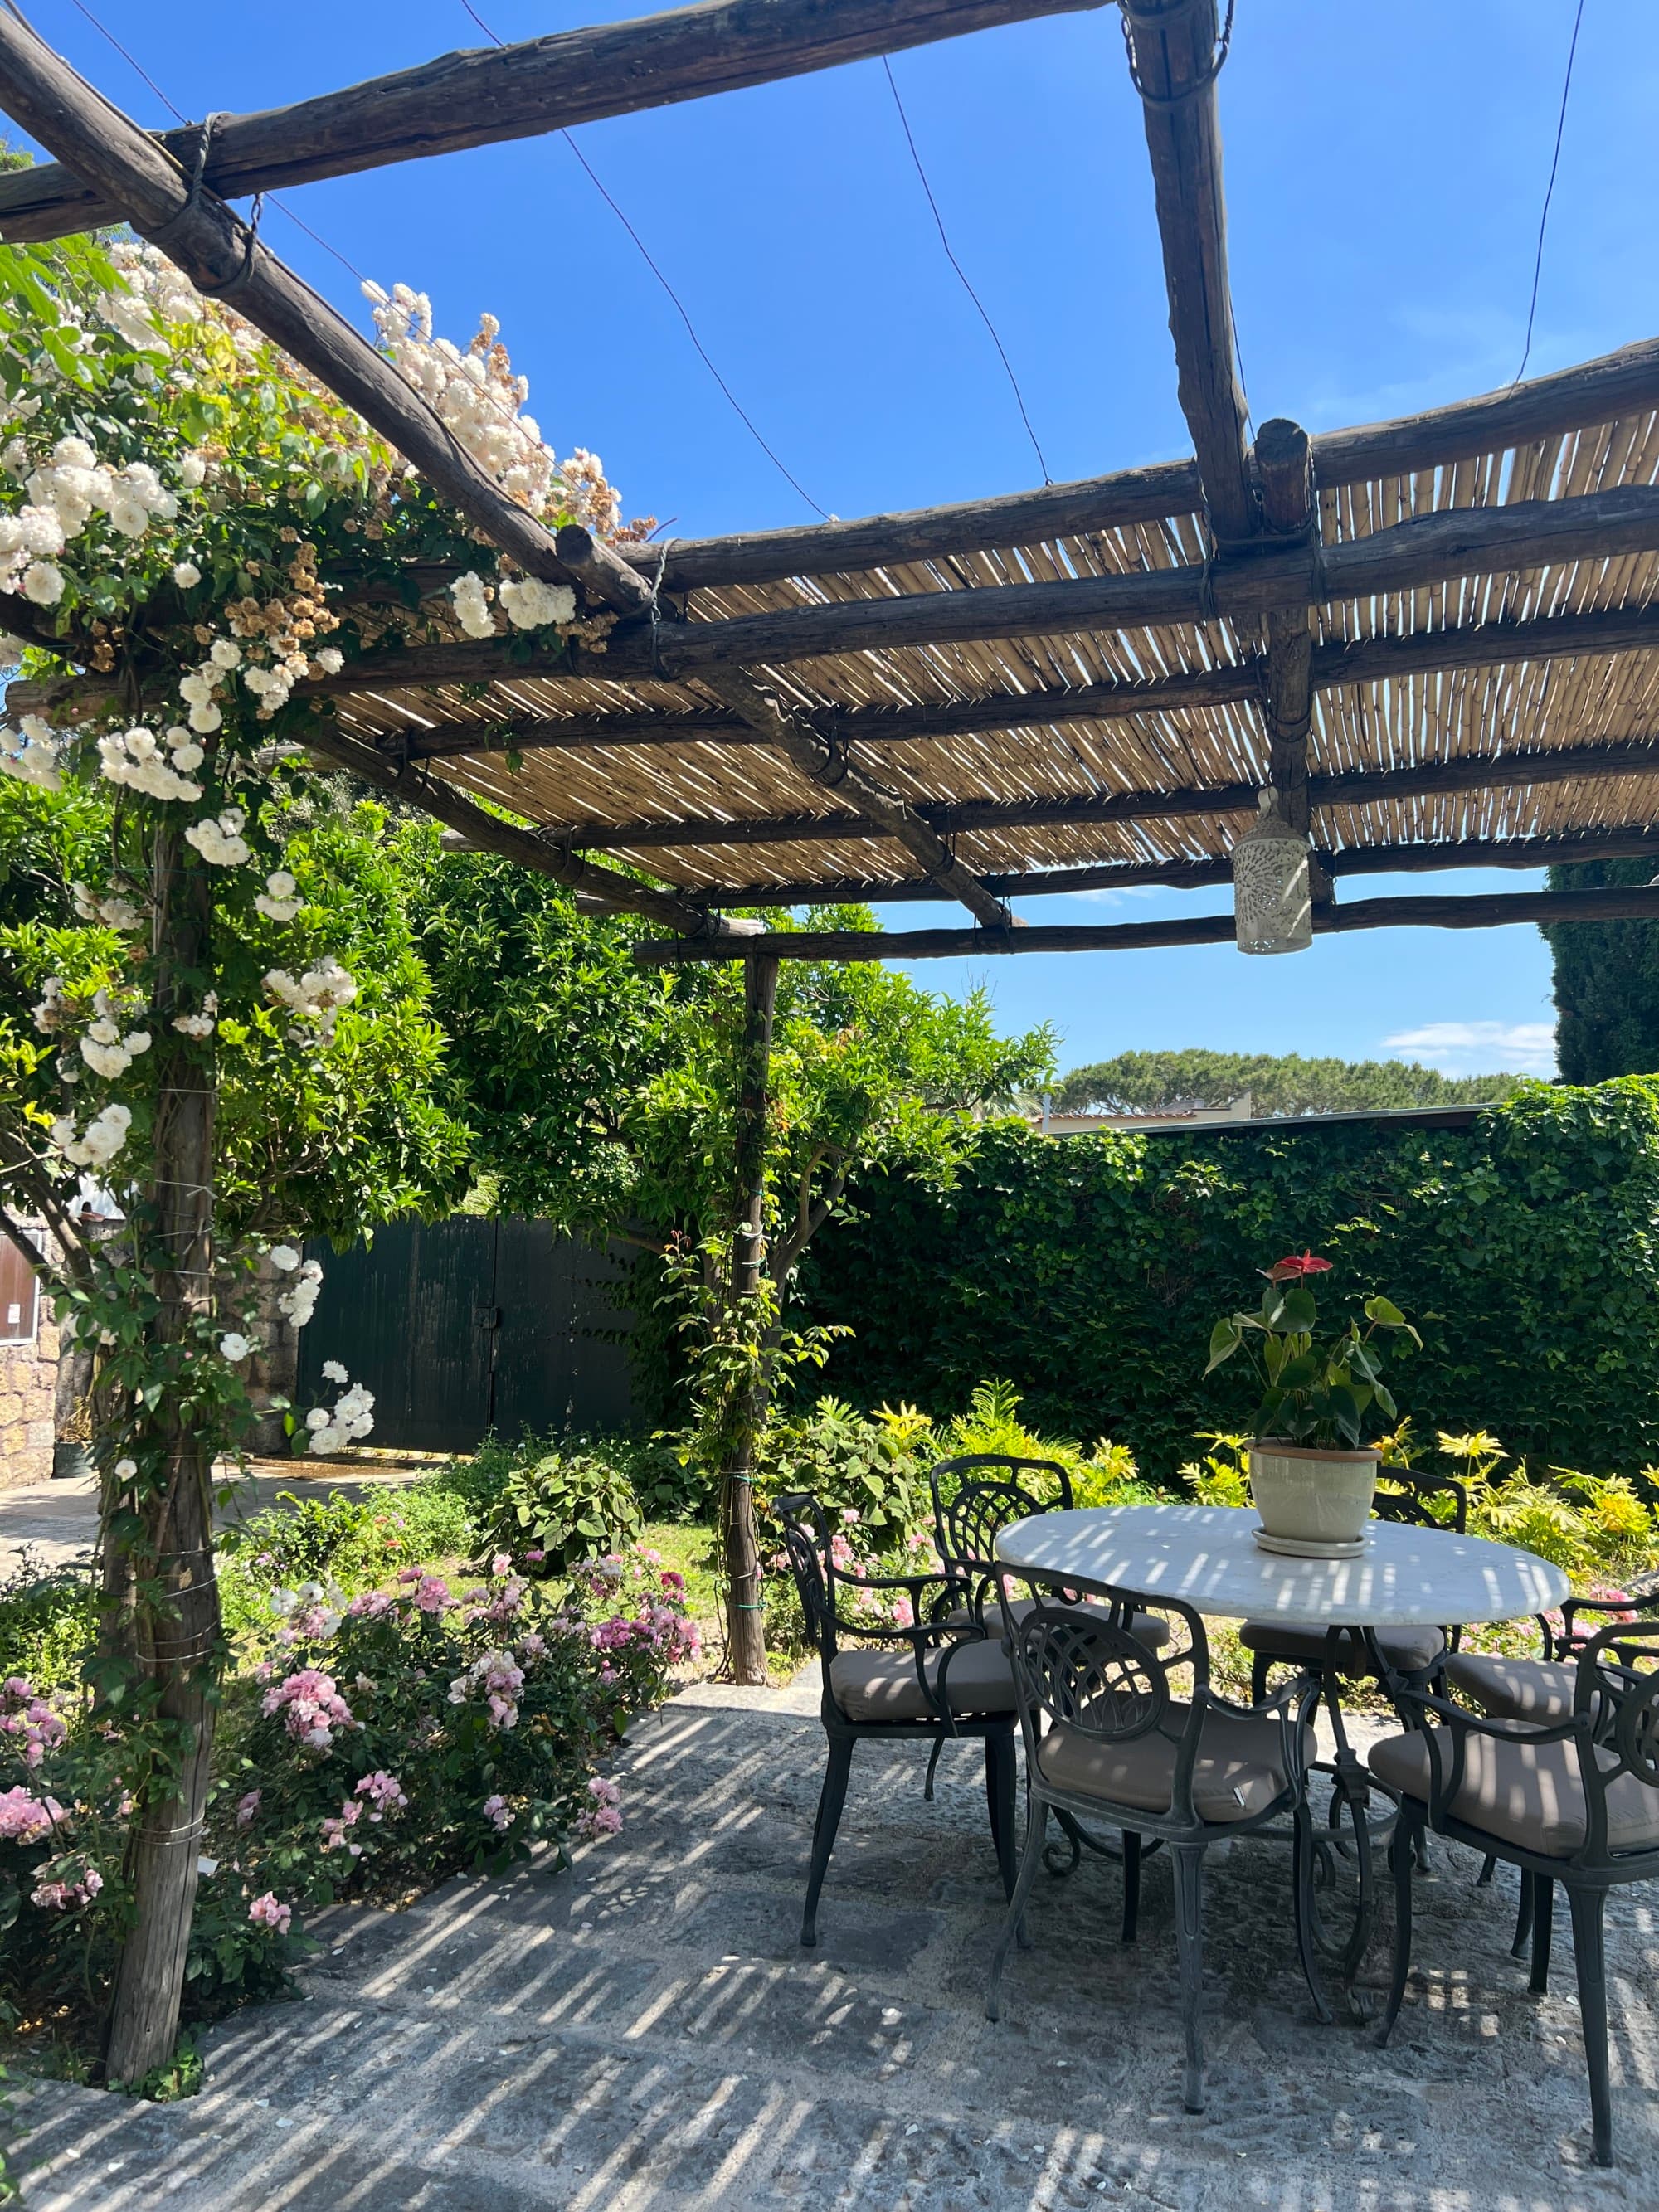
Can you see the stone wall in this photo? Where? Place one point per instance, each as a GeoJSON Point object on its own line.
{"type": "Point", "coordinates": [28, 1395]}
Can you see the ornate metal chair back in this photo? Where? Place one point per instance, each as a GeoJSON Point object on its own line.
{"type": "Point", "coordinates": [986, 1497]}
{"type": "Point", "coordinates": [807, 1547]}
{"type": "Point", "coordinates": [1408, 1504]}
{"type": "Point", "coordinates": [1616, 1711]}
{"type": "Point", "coordinates": [1088, 1672]}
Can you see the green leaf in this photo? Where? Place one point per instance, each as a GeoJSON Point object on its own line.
{"type": "Point", "coordinates": [1224, 1339]}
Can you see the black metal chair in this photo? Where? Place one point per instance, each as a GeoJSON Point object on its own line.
{"type": "Point", "coordinates": [975, 1497]}
{"type": "Point", "coordinates": [1418, 1653]}
{"type": "Point", "coordinates": [1118, 1746]}
{"type": "Point", "coordinates": [1574, 1802]}
{"type": "Point", "coordinates": [1539, 1692]}
{"type": "Point", "coordinates": [933, 1679]}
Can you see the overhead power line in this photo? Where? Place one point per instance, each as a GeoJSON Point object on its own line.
{"type": "Point", "coordinates": [962, 274]}
{"type": "Point", "coordinates": [731, 399]}
{"type": "Point", "coordinates": [1549, 190]}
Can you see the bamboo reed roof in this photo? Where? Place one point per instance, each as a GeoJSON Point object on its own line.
{"type": "Point", "coordinates": [1508, 703]}
{"type": "Point", "coordinates": [1435, 640]}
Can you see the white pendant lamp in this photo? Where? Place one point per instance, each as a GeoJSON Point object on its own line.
{"type": "Point", "coordinates": [1273, 896]}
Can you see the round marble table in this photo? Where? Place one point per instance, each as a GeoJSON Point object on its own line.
{"type": "Point", "coordinates": [1206, 1556]}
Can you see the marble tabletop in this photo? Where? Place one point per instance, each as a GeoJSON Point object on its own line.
{"type": "Point", "coordinates": [1205, 1555]}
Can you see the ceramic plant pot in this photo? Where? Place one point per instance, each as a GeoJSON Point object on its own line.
{"type": "Point", "coordinates": [1309, 1494]}
{"type": "Point", "coordinates": [70, 1462]}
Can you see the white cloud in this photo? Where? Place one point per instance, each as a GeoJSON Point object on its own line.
{"type": "Point", "coordinates": [1479, 1048]}
{"type": "Point", "coordinates": [1106, 895]}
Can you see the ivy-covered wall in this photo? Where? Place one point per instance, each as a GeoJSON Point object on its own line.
{"type": "Point", "coordinates": [1089, 1271]}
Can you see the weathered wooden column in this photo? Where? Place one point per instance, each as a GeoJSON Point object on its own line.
{"type": "Point", "coordinates": [746, 1625]}
{"type": "Point", "coordinates": [176, 1598]}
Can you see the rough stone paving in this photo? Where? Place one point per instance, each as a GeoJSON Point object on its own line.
{"type": "Point", "coordinates": [644, 2031]}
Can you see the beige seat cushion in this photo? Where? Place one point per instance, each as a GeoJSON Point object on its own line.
{"type": "Point", "coordinates": [1530, 1794]}
{"type": "Point", "coordinates": [1151, 1628]}
{"type": "Point", "coordinates": [1514, 1689]}
{"type": "Point", "coordinates": [1410, 1649]}
{"type": "Point", "coordinates": [1240, 1767]}
{"type": "Point", "coordinates": [877, 1683]}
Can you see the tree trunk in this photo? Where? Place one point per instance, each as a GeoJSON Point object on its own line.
{"type": "Point", "coordinates": [746, 1625]}
{"type": "Point", "coordinates": [176, 1608]}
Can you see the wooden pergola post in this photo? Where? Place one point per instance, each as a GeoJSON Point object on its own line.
{"type": "Point", "coordinates": [1284, 477]}
{"type": "Point", "coordinates": [745, 1624]}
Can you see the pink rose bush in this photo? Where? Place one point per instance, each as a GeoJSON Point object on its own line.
{"type": "Point", "coordinates": [33, 1728]}
{"type": "Point", "coordinates": [433, 1729]}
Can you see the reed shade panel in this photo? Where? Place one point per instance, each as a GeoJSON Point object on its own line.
{"type": "Point", "coordinates": [1427, 704]}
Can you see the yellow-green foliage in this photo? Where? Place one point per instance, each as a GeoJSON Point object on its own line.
{"type": "Point", "coordinates": [1105, 1474]}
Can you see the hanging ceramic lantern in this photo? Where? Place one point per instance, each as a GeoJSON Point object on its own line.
{"type": "Point", "coordinates": [1272, 897]}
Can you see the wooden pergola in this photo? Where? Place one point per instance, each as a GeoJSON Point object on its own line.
{"type": "Point", "coordinates": [1431, 637]}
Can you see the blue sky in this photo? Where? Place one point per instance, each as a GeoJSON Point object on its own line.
{"type": "Point", "coordinates": [1385, 171]}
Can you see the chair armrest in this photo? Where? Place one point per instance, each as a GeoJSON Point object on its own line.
{"type": "Point", "coordinates": [1507, 1731]}
{"type": "Point", "coordinates": [1634, 1602]}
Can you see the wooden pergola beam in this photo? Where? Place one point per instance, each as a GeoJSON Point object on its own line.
{"type": "Point", "coordinates": [1383, 660]}
{"type": "Point", "coordinates": [224, 258]}
{"type": "Point", "coordinates": [482, 96]}
{"type": "Point", "coordinates": [1413, 858]}
{"type": "Point", "coordinates": [1616, 386]}
{"type": "Point", "coordinates": [1284, 475]}
{"type": "Point", "coordinates": [1367, 660]}
{"type": "Point", "coordinates": [1354, 787]}
{"type": "Point", "coordinates": [829, 767]}
{"type": "Point", "coordinates": [1428, 548]}
{"type": "Point", "coordinates": [1172, 45]}
{"type": "Point", "coordinates": [1484, 910]}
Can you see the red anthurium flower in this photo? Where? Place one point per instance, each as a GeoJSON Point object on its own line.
{"type": "Point", "coordinates": [1296, 1264]}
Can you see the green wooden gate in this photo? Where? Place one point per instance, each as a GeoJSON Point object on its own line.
{"type": "Point", "coordinates": [462, 1326]}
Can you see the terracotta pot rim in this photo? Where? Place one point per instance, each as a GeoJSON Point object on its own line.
{"type": "Point", "coordinates": [1282, 1448]}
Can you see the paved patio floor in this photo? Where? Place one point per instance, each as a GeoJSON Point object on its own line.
{"type": "Point", "coordinates": [644, 2032]}
{"type": "Point", "coordinates": [56, 1522]}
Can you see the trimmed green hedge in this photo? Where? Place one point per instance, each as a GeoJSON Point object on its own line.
{"type": "Point", "coordinates": [1089, 1271]}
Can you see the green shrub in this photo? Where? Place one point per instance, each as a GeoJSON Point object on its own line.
{"type": "Point", "coordinates": [558, 1506]}
{"type": "Point", "coordinates": [1088, 1270]}
{"type": "Point", "coordinates": [48, 1623]}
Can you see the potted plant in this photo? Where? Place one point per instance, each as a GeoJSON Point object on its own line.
{"type": "Point", "coordinates": [71, 1450]}
{"type": "Point", "coordinates": [1312, 1473]}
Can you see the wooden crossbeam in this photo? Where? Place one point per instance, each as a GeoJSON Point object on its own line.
{"type": "Point", "coordinates": [1484, 910]}
{"type": "Point", "coordinates": [1414, 859]}
{"type": "Point", "coordinates": [1616, 386]}
{"type": "Point", "coordinates": [1367, 660]}
{"type": "Point", "coordinates": [829, 766]}
{"type": "Point", "coordinates": [1284, 483]}
{"type": "Point", "coordinates": [1172, 45]}
{"type": "Point", "coordinates": [1426, 549]}
{"type": "Point", "coordinates": [1358, 787]}
{"type": "Point", "coordinates": [488, 833]}
{"type": "Point", "coordinates": [1383, 660]}
{"type": "Point", "coordinates": [823, 761]}
{"type": "Point", "coordinates": [480, 97]}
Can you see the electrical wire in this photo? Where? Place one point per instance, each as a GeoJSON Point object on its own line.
{"type": "Point", "coordinates": [139, 70]}
{"type": "Point", "coordinates": [944, 240]}
{"type": "Point", "coordinates": [1549, 191]}
{"type": "Point", "coordinates": [731, 397]}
